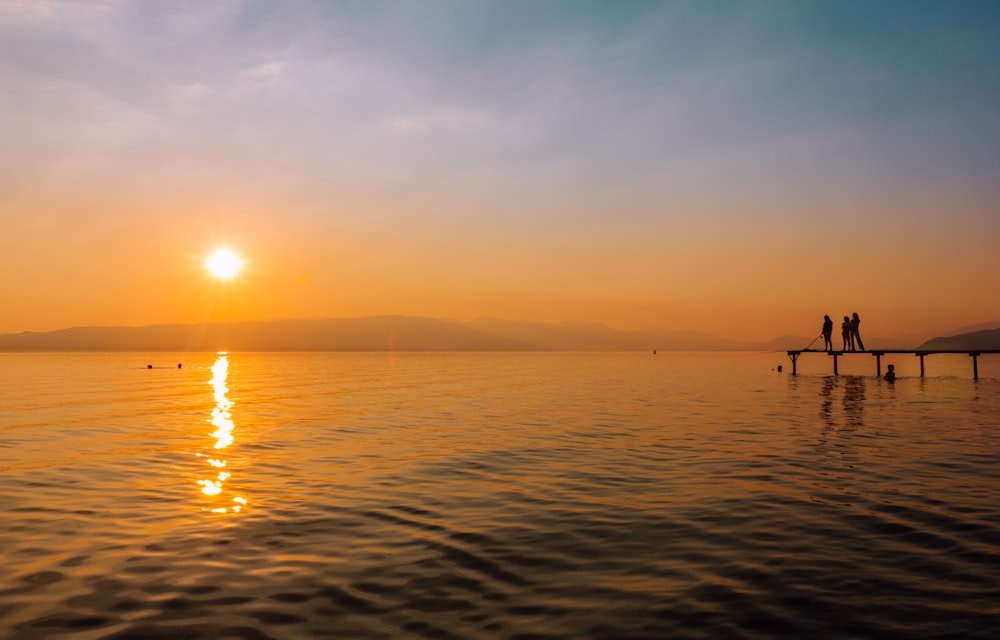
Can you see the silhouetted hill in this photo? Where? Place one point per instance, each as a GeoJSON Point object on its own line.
{"type": "Point", "coordinates": [985, 340]}
{"type": "Point", "coordinates": [785, 343]}
{"type": "Point", "coordinates": [972, 328]}
{"type": "Point", "coordinates": [569, 336]}
{"type": "Point", "coordinates": [379, 333]}
{"type": "Point", "coordinates": [375, 333]}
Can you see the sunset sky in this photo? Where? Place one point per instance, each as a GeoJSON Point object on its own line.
{"type": "Point", "coordinates": [739, 168]}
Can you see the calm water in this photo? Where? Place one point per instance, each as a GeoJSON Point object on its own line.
{"type": "Point", "coordinates": [496, 496]}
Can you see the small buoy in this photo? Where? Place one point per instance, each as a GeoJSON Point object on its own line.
{"type": "Point", "coordinates": [149, 366]}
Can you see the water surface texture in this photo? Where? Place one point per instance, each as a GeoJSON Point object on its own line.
{"type": "Point", "coordinates": [552, 495]}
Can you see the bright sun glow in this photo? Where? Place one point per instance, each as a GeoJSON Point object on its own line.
{"type": "Point", "coordinates": [224, 264]}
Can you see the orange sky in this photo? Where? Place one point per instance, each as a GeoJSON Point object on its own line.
{"type": "Point", "coordinates": [387, 162]}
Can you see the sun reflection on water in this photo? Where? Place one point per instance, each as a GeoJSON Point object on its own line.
{"type": "Point", "coordinates": [222, 420]}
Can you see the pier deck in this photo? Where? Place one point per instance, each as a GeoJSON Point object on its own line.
{"type": "Point", "coordinates": [878, 353]}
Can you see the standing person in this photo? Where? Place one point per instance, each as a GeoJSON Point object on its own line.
{"type": "Point", "coordinates": [855, 336]}
{"type": "Point", "coordinates": [845, 331]}
{"type": "Point", "coordinates": [827, 333]}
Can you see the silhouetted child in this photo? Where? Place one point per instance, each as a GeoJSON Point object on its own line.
{"type": "Point", "coordinates": [827, 333]}
{"type": "Point", "coordinates": [890, 374]}
{"type": "Point", "coordinates": [845, 331]}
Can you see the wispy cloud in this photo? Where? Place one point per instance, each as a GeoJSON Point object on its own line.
{"type": "Point", "coordinates": [657, 89]}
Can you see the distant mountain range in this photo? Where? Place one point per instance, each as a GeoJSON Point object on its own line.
{"type": "Point", "coordinates": [402, 333]}
{"type": "Point", "coordinates": [986, 340]}
{"type": "Point", "coordinates": [375, 333]}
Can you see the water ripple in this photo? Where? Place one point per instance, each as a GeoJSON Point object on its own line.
{"type": "Point", "coordinates": [503, 496]}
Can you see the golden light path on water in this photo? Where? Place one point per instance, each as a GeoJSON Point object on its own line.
{"type": "Point", "coordinates": [222, 420]}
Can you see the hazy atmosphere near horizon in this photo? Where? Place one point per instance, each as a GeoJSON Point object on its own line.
{"type": "Point", "coordinates": [739, 168]}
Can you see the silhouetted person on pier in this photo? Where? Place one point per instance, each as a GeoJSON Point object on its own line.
{"type": "Point", "coordinates": [890, 374]}
{"type": "Point", "coordinates": [827, 333]}
{"type": "Point", "coordinates": [855, 336]}
{"type": "Point", "coordinates": [845, 331]}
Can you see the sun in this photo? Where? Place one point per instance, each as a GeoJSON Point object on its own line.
{"type": "Point", "coordinates": [224, 263]}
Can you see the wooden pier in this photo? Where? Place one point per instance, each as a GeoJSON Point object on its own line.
{"type": "Point", "coordinates": [878, 353]}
